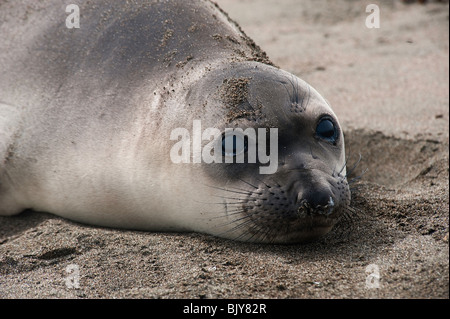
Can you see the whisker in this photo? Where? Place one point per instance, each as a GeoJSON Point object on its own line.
{"type": "Point", "coordinates": [236, 220]}
{"type": "Point", "coordinates": [354, 166]}
{"type": "Point", "coordinates": [261, 181]}
{"type": "Point", "coordinates": [237, 203]}
{"type": "Point", "coordinates": [235, 227]}
{"type": "Point", "coordinates": [252, 229]}
{"type": "Point", "coordinates": [295, 90]}
{"type": "Point", "coordinates": [355, 188]}
{"type": "Point", "coordinates": [222, 203]}
{"type": "Point", "coordinates": [226, 215]}
{"type": "Point", "coordinates": [225, 197]}
{"type": "Point", "coordinates": [278, 184]}
{"type": "Point", "coordinates": [248, 183]}
{"type": "Point", "coordinates": [354, 179]}
{"type": "Point", "coordinates": [231, 191]}
{"type": "Point", "coordinates": [308, 98]}
{"type": "Point", "coordinates": [264, 235]}
{"type": "Point", "coordinates": [345, 164]}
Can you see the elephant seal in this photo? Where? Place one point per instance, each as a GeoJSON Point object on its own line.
{"type": "Point", "coordinates": [87, 116]}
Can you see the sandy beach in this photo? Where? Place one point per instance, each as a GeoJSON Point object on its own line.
{"type": "Point", "coordinates": [389, 87]}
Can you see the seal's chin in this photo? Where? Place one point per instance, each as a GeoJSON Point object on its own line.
{"type": "Point", "coordinates": [298, 230]}
{"type": "Point", "coordinates": [292, 237]}
{"type": "Point", "coordinates": [302, 236]}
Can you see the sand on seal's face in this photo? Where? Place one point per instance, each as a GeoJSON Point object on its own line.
{"type": "Point", "coordinates": [389, 88]}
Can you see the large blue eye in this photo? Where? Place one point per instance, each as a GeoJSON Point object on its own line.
{"type": "Point", "coordinates": [233, 145]}
{"type": "Point", "coordinates": [326, 130]}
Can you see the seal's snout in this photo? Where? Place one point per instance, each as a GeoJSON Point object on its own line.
{"type": "Point", "coordinates": [318, 202]}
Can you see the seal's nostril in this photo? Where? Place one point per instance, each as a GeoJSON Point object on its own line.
{"type": "Point", "coordinates": [316, 201]}
{"type": "Point", "coordinates": [315, 198]}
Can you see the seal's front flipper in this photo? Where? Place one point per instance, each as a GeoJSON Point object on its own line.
{"type": "Point", "coordinates": [10, 126]}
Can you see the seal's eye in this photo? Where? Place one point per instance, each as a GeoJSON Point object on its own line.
{"type": "Point", "coordinates": [233, 145]}
{"type": "Point", "coordinates": [326, 130]}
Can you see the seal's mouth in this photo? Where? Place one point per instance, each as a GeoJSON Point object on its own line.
{"type": "Point", "coordinates": [304, 225]}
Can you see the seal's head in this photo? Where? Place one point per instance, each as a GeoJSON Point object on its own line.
{"type": "Point", "coordinates": [293, 197]}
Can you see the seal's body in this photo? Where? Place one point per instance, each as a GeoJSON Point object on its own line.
{"type": "Point", "coordinates": [86, 116]}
